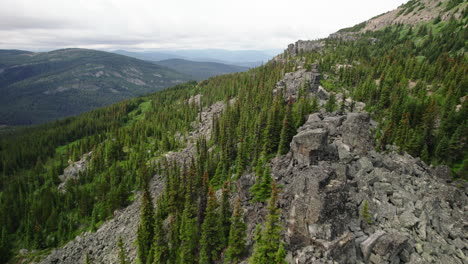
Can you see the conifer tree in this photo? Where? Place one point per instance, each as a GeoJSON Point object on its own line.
{"type": "Point", "coordinates": [330, 105]}
{"type": "Point", "coordinates": [145, 232]}
{"type": "Point", "coordinates": [280, 255]}
{"type": "Point", "coordinates": [267, 247]}
{"type": "Point", "coordinates": [189, 234]}
{"type": "Point", "coordinates": [122, 255]}
{"type": "Point", "coordinates": [442, 149]}
{"type": "Point", "coordinates": [287, 131]}
{"type": "Point", "coordinates": [261, 190]}
{"type": "Point", "coordinates": [203, 199]}
{"type": "Point", "coordinates": [210, 237]}
{"type": "Point", "coordinates": [225, 214]}
{"type": "Point", "coordinates": [315, 105]}
{"type": "Point", "coordinates": [160, 247]}
{"type": "Point", "coordinates": [236, 245]}
{"type": "Point", "coordinates": [273, 127]}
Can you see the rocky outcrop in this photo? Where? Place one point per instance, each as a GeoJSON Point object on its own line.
{"type": "Point", "coordinates": [304, 46]}
{"type": "Point", "coordinates": [413, 215]}
{"type": "Point", "coordinates": [72, 172]}
{"type": "Point", "coordinates": [293, 82]}
{"type": "Point", "coordinates": [201, 128]}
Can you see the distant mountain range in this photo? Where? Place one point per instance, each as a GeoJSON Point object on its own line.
{"type": "Point", "coordinates": [246, 58]}
{"type": "Point", "coordinates": [200, 70]}
{"type": "Point", "coordinates": [40, 87]}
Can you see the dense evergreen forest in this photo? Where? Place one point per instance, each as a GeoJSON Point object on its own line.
{"type": "Point", "coordinates": [412, 79]}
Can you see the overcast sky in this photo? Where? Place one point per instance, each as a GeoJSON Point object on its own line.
{"type": "Point", "coordinates": [177, 24]}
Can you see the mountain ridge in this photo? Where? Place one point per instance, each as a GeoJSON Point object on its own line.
{"type": "Point", "coordinates": [40, 87]}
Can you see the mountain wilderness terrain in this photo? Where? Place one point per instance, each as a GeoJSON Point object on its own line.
{"type": "Point", "coordinates": [245, 58]}
{"type": "Point", "coordinates": [45, 86]}
{"type": "Point", "coordinates": [200, 70]}
{"type": "Point", "coordinates": [348, 149]}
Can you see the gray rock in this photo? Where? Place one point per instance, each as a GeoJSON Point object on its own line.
{"type": "Point", "coordinates": [408, 219]}
{"type": "Point", "coordinates": [390, 245]}
{"type": "Point", "coordinates": [368, 244]}
{"type": "Point", "coordinates": [443, 172]}
{"type": "Point", "coordinates": [309, 147]}
{"type": "Point", "coordinates": [365, 164]}
{"type": "Point", "coordinates": [293, 82]}
{"type": "Point", "coordinates": [355, 132]}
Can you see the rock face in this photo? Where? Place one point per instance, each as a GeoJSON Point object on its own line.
{"type": "Point", "coordinates": [413, 13]}
{"type": "Point", "coordinates": [414, 215]}
{"type": "Point", "coordinates": [292, 83]}
{"type": "Point", "coordinates": [73, 170]}
{"type": "Point", "coordinates": [304, 46]}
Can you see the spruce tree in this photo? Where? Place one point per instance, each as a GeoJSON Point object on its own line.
{"type": "Point", "coordinates": [236, 246]}
{"type": "Point", "coordinates": [225, 214]}
{"type": "Point", "coordinates": [189, 234]}
{"type": "Point", "coordinates": [145, 232]}
{"type": "Point", "coordinates": [267, 247]}
{"type": "Point", "coordinates": [287, 131]}
{"type": "Point", "coordinates": [261, 190]}
{"type": "Point", "coordinates": [210, 237]}
{"type": "Point", "coordinates": [281, 255]}
{"type": "Point", "coordinates": [160, 246]}
{"type": "Point", "coordinates": [330, 105]}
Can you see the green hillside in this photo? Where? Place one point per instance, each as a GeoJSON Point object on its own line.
{"type": "Point", "coordinates": [412, 78]}
{"type": "Point", "coordinates": [41, 87]}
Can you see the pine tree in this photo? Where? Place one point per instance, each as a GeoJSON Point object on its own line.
{"type": "Point", "coordinates": [281, 255]}
{"type": "Point", "coordinates": [442, 149]}
{"type": "Point", "coordinates": [287, 131]}
{"type": "Point", "coordinates": [145, 232]}
{"type": "Point", "coordinates": [273, 128]}
{"type": "Point", "coordinates": [225, 214]}
{"type": "Point", "coordinates": [330, 105]}
{"type": "Point", "coordinates": [267, 247]}
{"type": "Point", "coordinates": [366, 216]}
{"type": "Point", "coordinates": [236, 245]}
{"type": "Point", "coordinates": [261, 190]}
{"type": "Point", "coordinates": [425, 154]}
{"type": "Point", "coordinates": [315, 105]}
{"type": "Point", "coordinates": [189, 234]}
{"type": "Point", "coordinates": [160, 247]}
{"type": "Point", "coordinates": [122, 255]}
{"type": "Point", "coordinates": [210, 237]}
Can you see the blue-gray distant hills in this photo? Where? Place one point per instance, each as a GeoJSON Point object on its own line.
{"type": "Point", "coordinates": [246, 58]}
{"type": "Point", "coordinates": [200, 70]}
{"type": "Point", "coordinates": [44, 86]}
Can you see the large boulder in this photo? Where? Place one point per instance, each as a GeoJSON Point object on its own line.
{"type": "Point", "coordinates": [356, 134]}
{"type": "Point", "coordinates": [310, 146]}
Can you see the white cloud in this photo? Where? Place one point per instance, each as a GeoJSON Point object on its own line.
{"type": "Point", "coordinates": [191, 24]}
